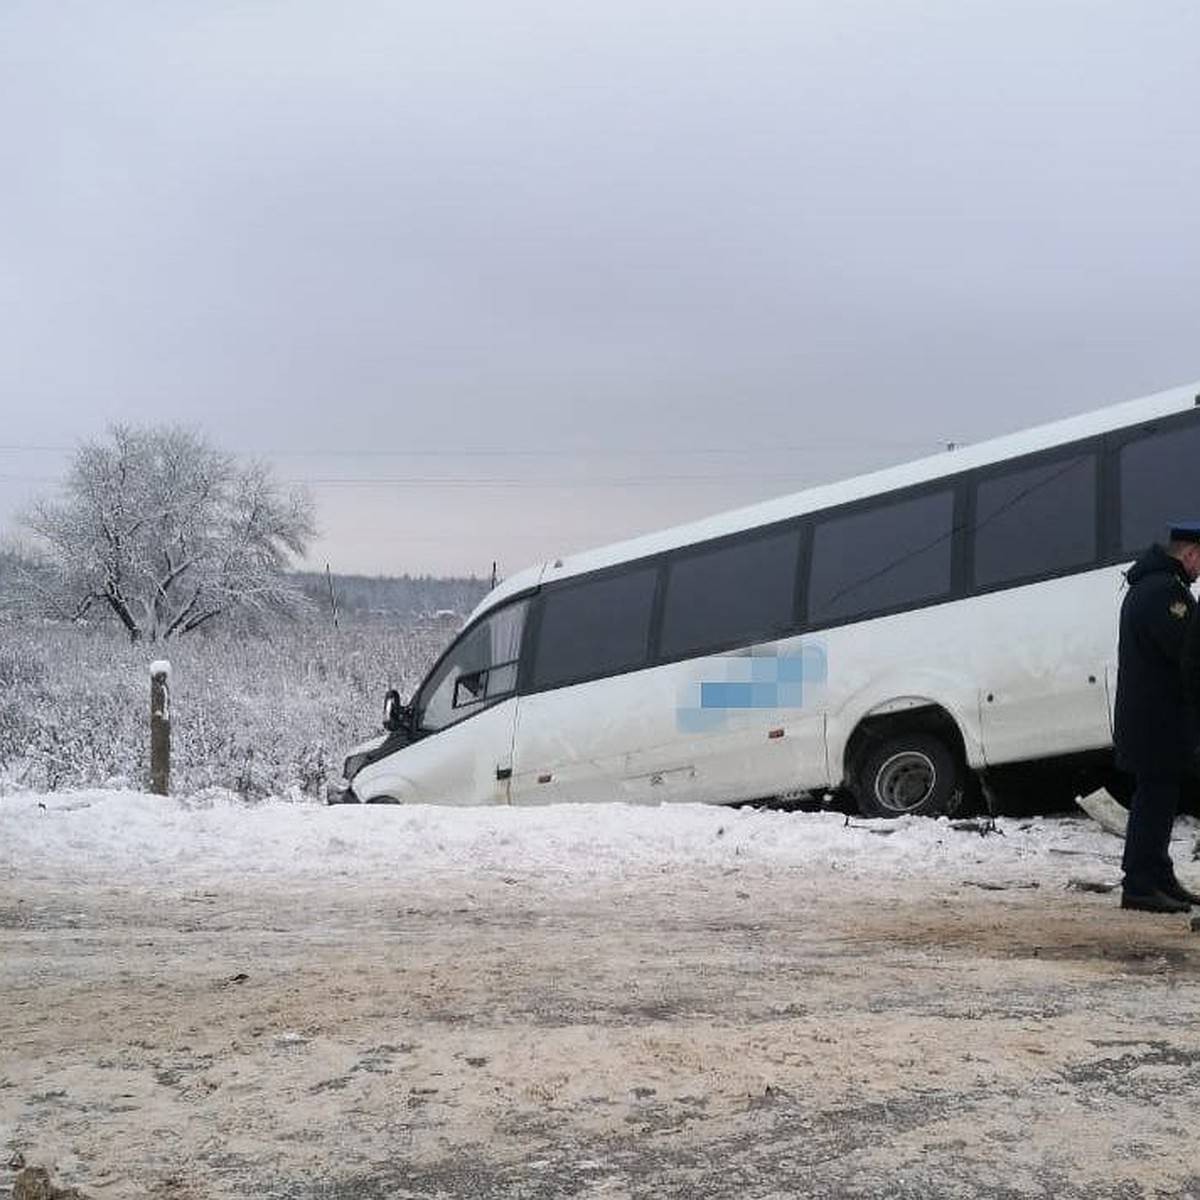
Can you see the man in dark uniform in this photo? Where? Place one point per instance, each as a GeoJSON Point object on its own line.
{"type": "Point", "coordinates": [1154, 729]}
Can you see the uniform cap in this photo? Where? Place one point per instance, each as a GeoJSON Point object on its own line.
{"type": "Point", "coordinates": [1185, 531]}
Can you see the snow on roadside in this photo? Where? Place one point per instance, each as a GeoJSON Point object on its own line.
{"type": "Point", "coordinates": [134, 836]}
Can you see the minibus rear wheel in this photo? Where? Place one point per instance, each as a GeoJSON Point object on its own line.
{"type": "Point", "coordinates": [908, 775]}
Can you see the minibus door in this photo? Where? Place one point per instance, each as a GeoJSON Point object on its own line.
{"type": "Point", "coordinates": [465, 713]}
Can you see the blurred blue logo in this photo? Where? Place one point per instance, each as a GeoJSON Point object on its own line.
{"type": "Point", "coordinates": [754, 679]}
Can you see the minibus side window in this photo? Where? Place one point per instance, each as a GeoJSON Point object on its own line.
{"type": "Point", "coordinates": [478, 669]}
{"type": "Point", "coordinates": [1158, 484]}
{"type": "Point", "coordinates": [890, 555]}
{"type": "Point", "coordinates": [1035, 520]}
{"type": "Point", "coordinates": [735, 594]}
{"type": "Point", "coordinates": [595, 628]}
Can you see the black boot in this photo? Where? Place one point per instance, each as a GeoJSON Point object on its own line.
{"type": "Point", "coordinates": [1154, 901]}
{"type": "Point", "coordinates": [1177, 891]}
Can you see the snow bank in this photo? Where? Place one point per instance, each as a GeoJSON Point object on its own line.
{"type": "Point", "coordinates": [213, 835]}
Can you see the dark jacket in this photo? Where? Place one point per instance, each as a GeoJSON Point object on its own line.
{"type": "Point", "coordinates": [1191, 661]}
{"type": "Point", "coordinates": [1153, 727]}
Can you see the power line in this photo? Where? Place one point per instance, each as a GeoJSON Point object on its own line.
{"type": "Point", "coordinates": [623, 481]}
{"type": "Point", "coordinates": [817, 447]}
{"type": "Point", "coordinates": [615, 451]}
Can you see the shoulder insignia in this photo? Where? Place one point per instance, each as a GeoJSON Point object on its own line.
{"type": "Point", "coordinates": [1178, 609]}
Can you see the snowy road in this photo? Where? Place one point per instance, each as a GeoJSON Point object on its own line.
{"type": "Point", "coordinates": [203, 1001]}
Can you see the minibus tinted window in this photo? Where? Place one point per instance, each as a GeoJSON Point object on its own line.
{"type": "Point", "coordinates": [893, 554]}
{"type": "Point", "coordinates": [1160, 483]}
{"type": "Point", "coordinates": [736, 594]}
{"type": "Point", "coordinates": [598, 627]}
{"type": "Point", "coordinates": [1035, 521]}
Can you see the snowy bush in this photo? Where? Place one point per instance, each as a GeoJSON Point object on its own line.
{"type": "Point", "coordinates": [269, 715]}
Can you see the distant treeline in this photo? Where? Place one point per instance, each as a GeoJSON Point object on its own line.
{"type": "Point", "coordinates": [363, 597]}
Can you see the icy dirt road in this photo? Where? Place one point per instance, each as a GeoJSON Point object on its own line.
{"type": "Point", "coordinates": [853, 1025]}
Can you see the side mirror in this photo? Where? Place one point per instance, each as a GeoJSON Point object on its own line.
{"type": "Point", "coordinates": [395, 714]}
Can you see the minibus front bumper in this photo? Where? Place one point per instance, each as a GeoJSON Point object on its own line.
{"type": "Point", "coordinates": [341, 791]}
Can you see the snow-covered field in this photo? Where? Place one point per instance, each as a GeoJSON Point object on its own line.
{"type": "Point", "coordinates": [265, 715]}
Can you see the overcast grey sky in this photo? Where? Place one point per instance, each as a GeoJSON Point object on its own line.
{"type": "Point", "coordinates": [501, 280]}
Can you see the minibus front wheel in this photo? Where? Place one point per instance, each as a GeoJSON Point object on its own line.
{"type": "Point", "coordinates": [908, 775]}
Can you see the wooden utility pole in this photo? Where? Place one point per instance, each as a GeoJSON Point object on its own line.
{"type": "Point", "coordinates": [332, 595]}
{"type": "Point", "coordinates": [160, 727]}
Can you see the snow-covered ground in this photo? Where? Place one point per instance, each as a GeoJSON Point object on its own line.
{"type": "Point", "coordinates": [206, 999]}
{"type": "Point", "coordinates": [127, 834]}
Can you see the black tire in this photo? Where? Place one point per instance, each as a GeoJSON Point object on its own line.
{"type": "Point", "coordinates": [908, 775]}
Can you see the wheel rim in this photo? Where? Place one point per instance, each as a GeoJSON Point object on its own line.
{"type": "Point", "coordinates": [905, 781]}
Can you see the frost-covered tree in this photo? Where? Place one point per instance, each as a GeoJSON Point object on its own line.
{"type": "Point", "coordinates": [168, 533]}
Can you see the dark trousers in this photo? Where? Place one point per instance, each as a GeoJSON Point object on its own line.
{"type": "Point", "coordinates": [1147, 859]}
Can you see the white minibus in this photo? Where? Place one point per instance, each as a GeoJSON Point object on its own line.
{"type": "Point", "coordinates": [935, 630]}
